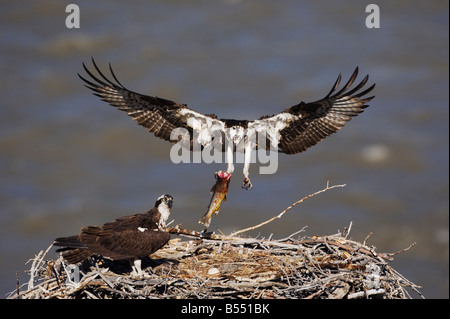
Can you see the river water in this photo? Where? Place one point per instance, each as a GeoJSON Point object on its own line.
{"type": "Point", "coordinates": [68, 159]}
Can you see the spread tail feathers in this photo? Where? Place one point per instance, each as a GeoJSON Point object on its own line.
{"type": "Point", "coordinates": [68, 242]}
{"type": "Point", "coordinates": [73, 251]}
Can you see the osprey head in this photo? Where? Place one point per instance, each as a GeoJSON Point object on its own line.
{"type": "Point", "coordinates": [165, 199]}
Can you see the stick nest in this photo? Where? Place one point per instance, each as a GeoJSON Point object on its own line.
{"type": "Point", "coordinates": [229, 267]}
{"type": "Point", "coordinates": [219, 266]}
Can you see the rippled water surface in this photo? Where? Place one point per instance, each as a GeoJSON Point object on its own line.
{"type": "Point", "coordinates": [68, 159]}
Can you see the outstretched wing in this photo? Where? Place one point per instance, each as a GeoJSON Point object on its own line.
{"type": "Point", "coordinates": [303, 125]}
{"type": "Point", "coordinates": [159, 116]}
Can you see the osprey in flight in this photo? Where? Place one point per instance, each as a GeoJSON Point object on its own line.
{"type": "Point", "coordinates": [291, 131]}
{"type": "Point", "coordinates": [127, 238]}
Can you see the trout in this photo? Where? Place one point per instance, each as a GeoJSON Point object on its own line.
{"type": "Point", "coordinates": [219, 193]}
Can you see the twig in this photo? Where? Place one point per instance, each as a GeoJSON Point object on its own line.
{"type": "Point", "coordinates": [347, 230]}
{"type": "Point", "coordinates": [367, 237]}
{"type": "Point", "coordinates": [284, 211]}
{"type": "Point", "coordinates": [403, 250]}
{"type": "Point", "coordinates": [293, 234]}
{"type": "Point", "coordinates": [17, 284]}
{"type": "Point", "coordinates": [192, 233]}
{"type": "Point", "coordinates": [36, 264]}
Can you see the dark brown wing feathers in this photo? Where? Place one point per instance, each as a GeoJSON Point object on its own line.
{"type": "Point", "coordinates": [324, 117]}
{"type": "Point", "coordinates": [159, 116]}
{"type": "Point", "coordinates": [128, 237]}
{"type": "Point", "coordinates": [127, 244]}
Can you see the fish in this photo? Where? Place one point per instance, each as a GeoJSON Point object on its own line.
{"type": "Point", "coordinates": [219, 193]}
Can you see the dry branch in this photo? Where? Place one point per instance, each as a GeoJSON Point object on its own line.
{"type": "Point", "coordinates": [284, 211]}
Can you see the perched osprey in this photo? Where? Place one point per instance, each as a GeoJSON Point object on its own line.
{"type": "Point", "coordinates": [292, 131]}
{"type": "Point", "coordinates": [127, 238]}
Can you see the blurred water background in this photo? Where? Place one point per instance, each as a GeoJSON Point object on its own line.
{"type": "Point", "coordinates": [68, 159]}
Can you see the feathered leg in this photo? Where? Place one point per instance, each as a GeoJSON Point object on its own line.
{"type": "Point", "coordinates": [246, 184]}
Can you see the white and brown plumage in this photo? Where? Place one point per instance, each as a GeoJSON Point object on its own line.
{"type": "Point", "coordinates": [127, 238]}
{"type": "Point", "coordinates": [291, 131]}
